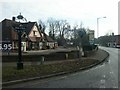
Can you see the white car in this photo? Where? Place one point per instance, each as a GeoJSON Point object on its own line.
{"type": "Point", "coordinates": [117, 46]}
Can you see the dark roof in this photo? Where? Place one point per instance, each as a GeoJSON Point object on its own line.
{"type": "Point", "coordinates": [8, 27]}
{"type": "Point", "coordinates": [28, 26]}
{"type": "Point", "coordinates": [47, 38]}
{"type": "Point", "coordinates": [12, 24]}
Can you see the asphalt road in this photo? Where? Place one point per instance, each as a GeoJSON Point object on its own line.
{"type": "Point", "coordinates": [101, 76]}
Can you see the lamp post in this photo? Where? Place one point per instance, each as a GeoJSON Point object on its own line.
{"type": "Point", "coordinates": [98, 25]}
{"type": "Point", "coordinates": [19, 30]}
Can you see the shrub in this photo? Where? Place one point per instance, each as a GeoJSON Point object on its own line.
{"type": "Point", "coordinates": [89, 47]}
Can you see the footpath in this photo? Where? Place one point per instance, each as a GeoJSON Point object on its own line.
{"type": "Point", "coordinates": [99, 57]}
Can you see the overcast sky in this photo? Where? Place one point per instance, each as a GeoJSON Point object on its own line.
{"type": "Point", "coordinates": [74, 11]}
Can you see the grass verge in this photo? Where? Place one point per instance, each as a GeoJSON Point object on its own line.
{"type": "Point", "coordinates": [11, 73]}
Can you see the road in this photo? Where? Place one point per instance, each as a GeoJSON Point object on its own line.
{"type": "Point", "coordinates": [101, 76]}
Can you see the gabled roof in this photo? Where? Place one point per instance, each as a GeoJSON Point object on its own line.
{"type": "Point", "coordinates": [6, 23]}
{"type": "Point", "coordinates": [47, 38]}
{"type": "Point", "coordinates": [28, 26]}
{"type": "Point", "coordinates": [8, 26]}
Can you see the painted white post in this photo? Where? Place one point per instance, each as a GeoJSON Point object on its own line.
{"type": "Point", "coordinates": [66, 56]}
{"type": "Point", "coordinates": [42, 59]}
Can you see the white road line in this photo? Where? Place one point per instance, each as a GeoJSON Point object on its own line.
{"type": "Point", "coordinates": [63, 77]}
{"type": "Point", "coordinates": [102, 86]}
{"type": "Point", "coordinates": [111, 72]}
{"type": "Point", "coordinates": [104, 76]}
{"type": "Point", "coordinates": [102, 81]}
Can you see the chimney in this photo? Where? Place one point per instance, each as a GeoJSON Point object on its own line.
{"type": "Point", "coordinates": [112, 34]}
{"type": "Point", "coordinates": [13, 18]}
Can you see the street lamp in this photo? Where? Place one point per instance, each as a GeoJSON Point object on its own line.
{"type": "Point", "coordinates": [98, 25]}
{"type": "Point", "coordinates": [19, 31]}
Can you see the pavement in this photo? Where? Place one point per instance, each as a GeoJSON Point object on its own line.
{"type": "Point", "coordinates": [100, 55]}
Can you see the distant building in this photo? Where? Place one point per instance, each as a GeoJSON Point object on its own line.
{"type": "Point", "coordinates": [91, 36]}
{"type": "Point", "coordinates": [115, 41]}
{"type": "Point", "coordinates": [110, 41]}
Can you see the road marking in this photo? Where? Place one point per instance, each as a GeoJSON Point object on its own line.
{"type": "Point", "coordinates": [102, 86]}
{"type": "Point", "coordinates": [104, 76]}
{"type": "Point", "coordinates": [63, 77]}
{"type": "Point", "coordinates": [115, 87]}
{"type": "Point", "coordinates": [102, 81]}
{"type": "Point", "coordinates": [111, 72]}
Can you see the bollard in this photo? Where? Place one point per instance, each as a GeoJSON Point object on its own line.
{"type": "Point", "coordinates": [66, 56]}
{"type": "Point", "coordinates": [79, 52]}
{"type": "Point", "coordinates": [42, 59]}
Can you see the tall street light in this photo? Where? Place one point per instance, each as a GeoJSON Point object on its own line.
{"type": "Point", "coordinates": [98, 25]}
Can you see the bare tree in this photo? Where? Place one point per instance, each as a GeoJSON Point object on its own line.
{"type": "Point", "coordinates": [62, 27]}
{"type": "Point", "coordinates": [51, 25]}
{"type": "Point", "coordinates": [63, 31]}
{"type": "Point", "coordinates": [58, 29]}
{"type": "Point", "coordinates": [42, 25]}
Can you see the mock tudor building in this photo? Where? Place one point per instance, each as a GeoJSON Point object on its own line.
{"type": "Point", "coordinates": [32, 36]}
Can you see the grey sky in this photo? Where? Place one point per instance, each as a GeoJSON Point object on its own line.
{"type": "Point", "coordinates": [74, 11]}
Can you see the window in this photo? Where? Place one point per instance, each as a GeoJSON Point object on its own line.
{"type": "Point", "coordinates": [34, 33]}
